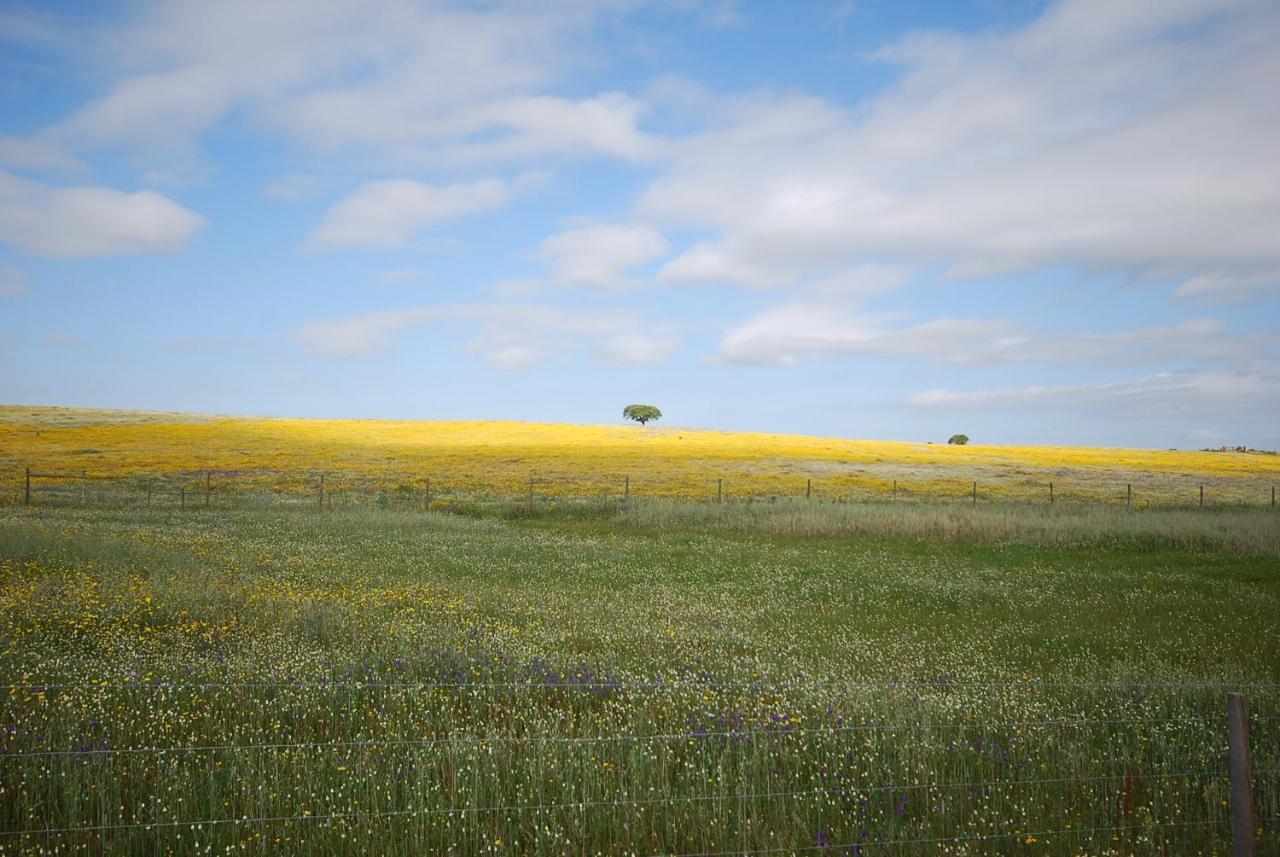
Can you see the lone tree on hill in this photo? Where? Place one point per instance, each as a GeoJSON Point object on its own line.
{"type": "Point", "coordinates": [958, 439]}
{"type": "Point", "coordinates": [641, 413]}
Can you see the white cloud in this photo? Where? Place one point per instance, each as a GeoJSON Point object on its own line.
{"type": "Point", "coordinates": [90, 221]}
{"type": "Point", "coordinates": [717, 262]}
{"type": "Point", "coordinates": [1221, 287]}
{"type": "Point", "coordinates": [1210, 395]}
{"type": "Point", "coordinates": [638, 350]}
{"type": "Point", "coordinates": [25, 153]}
{"type": "Point", "coordinates": [791, 332]}
{"type": "Point", "coordinates": [296, 187]}
{"type": "Point", "coordinates": [403, 80]}
{"type": "Point", "coordinates": [400, 275]}
{"type": "Point", "coordinates": [361, 335]}
{"type": "Point", "coordinates": [600, 256]}
{"type": "Point", "coordinates": [389, 213]}
{"type": "Point", "coordinates": [508, 336]}
{"type": "Point", "coordinates": [786, 334]}
{"type": "Point", "coordinates": [1117, 137]}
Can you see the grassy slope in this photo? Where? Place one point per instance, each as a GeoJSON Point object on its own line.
{"type": "Point", "coordinates": [267, 596]}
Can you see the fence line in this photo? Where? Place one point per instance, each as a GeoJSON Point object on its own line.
{"type": "Point", "coordinates": [715, 489]}
{"type": "Point", "coordinates": [1231, 770]}
{"type": "Point", "coordinates": [898, 843]}
{"type": "Point", "coordinates": [740, 734]}
{"type": "Point", "coordinates": [579, 805]}
{"type": "Point", "coordinates": [921, 684]}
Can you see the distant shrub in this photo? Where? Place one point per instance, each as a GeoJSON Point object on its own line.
{"type": "Point", "coordinates": [958, 439]}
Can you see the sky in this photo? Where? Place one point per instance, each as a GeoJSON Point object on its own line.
{"type": "Point", "coordinates": [1033, 223]}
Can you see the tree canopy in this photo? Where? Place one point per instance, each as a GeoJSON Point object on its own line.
{"type": "Point", "coordinates": [641, 413]}
{"type": "Point", "coordinates": [958, 439]}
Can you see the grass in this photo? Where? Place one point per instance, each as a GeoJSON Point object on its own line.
{"type": "Point", "coordinates": [1228, 530]}
{"type": "Point", "coordinates": [664, 677]}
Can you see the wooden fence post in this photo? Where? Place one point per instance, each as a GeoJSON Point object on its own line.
{"type": "Point", "coordinates": [182, 494]}
{"type": "Point", "coordinates": [428, 493]}
{"type": "Point", "coordinates": [1273, 496]}
{"type": "Point", "coordinates": [1242, 844]}
{"type": "Point", "coordinates": [808, 489]}
{"type": "Point", "coordinates": [1128, 500]}
{"type": "Point", "coordinates": [626, 489]}
{"type": "Point", "coordinates": [975, 493]}
{"type": "Point", "coordinates": [895, 489]}
{"type": "Point", "coordinates": [720, 490]}
{"type": "Point", "coordinates": [1050, 493]}
{"type": "Point", "coordinates": [528, 505]}
{"type": "Point", "coordinates": [148, 498]}
{"type": "Point", "coordinates": [1201, 496]}
{"type": "Point", "coordinates": [26, 496]}
{"type": "Point", "coordinates": [84, 487]}
{"type": "Point", "coordinates": [208, 486]}
{"type": "Point", "coordinates": [321, 490]}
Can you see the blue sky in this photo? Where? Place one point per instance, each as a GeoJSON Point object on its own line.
{"type": "Point", "coordinates": [1033, 223]}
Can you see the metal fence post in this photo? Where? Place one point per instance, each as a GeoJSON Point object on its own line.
{"type": "Point", "coordinates": [1242, 844]}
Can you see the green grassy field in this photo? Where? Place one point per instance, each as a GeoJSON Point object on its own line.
{"type": "Point", "coordinates": [668, 678]}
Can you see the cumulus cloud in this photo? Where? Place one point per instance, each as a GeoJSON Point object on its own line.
{"type": "Point", "coordinates": [417, 82]}
{"type": "Point", "coordinates": [400, 275]}
{"type": "Point", "coordinates": [638, 350]}
{"type": "Point", "coordinates": [1210, 395]}
{"type": "Point", "coordinates": [1222, 287]}
{"type": "Point", "coordinates": [787, 334]}
{"type": "Point", "coordinates": [296, 187]}
{"type": "Point", "coordinates": [719, 262]}
{"type": "Point", "coordinates": [90, 221]}
{"type": "Point", "coordinates": [1100, 136]}
{"type": "Point", "coordinates": [389, 213]}
{"type": "Point", "coordinates": [507, 336]}
{"type": "Point", "coordinates": [600, 257]}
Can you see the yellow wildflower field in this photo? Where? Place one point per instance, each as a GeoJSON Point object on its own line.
{"type": "Point", "coordinates": [499, 457]}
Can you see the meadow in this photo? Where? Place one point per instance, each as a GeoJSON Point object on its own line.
{"type": "Point", "coordinates": [589, 676]}
{"type": "Point", "coordinates": [460, 459]}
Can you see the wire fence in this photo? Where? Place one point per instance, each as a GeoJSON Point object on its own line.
{"type": "Point", "coordinates": [1196, 797]}
{"type": "Point", "coordinates": [738, 735]}
{"type": "Point", "coordinates": [541, 491]}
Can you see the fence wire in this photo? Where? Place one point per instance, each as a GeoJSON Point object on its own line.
{"type": "Point", "coordinates": [574, 805]}
{"type": "Point", "coordinates": [743, 734]}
